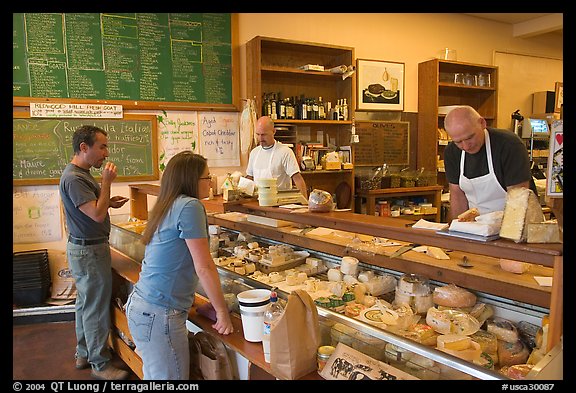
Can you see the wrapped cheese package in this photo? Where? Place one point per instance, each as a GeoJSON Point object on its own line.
{"type": "Point", "coordinates": [453, 296]}
{"type": "Point", "coordinates": [320, 201]}
{"type": "Point", "coordinates": [513, 266]}
{"type": "Point", "coordinates": [503, 329]}
{"type": "Point", "coordinates": [452, 321]}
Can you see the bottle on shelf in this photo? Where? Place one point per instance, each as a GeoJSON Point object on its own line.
{"type": "Point", "coordinates": [321, 109]}
{"type": "Point", "coordinates": [272, 314]}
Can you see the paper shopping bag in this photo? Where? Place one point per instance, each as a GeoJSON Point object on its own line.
{"type": "Point", "coordinates": [295, 338]}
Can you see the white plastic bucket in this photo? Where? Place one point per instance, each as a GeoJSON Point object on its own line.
{"type": "Point", "coordinates": [252, 305]}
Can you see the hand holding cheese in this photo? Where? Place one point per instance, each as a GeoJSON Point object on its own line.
{"type": "Point", "coordinates": [469, 215]}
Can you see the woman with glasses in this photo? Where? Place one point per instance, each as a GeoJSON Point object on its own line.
{"type": "Point", "coordinates": [176, 259]}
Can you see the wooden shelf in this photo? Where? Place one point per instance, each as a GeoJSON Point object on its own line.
{"type": "Point", "coordinates": [434, 192]}
{"type": "Point", "coordinates": [272, 65]}
{"type": "Point", "coordinates": [436, 89]}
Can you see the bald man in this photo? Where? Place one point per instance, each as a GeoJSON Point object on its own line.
{"type": "Point", "coordinates": [272, 159]}
{"type": "Point", "coordinates": [482, 164]}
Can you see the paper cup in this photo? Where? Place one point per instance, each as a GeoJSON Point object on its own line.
{"type": "Point", "coordinates": [252, 305]}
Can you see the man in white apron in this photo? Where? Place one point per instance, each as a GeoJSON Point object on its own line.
{"type": "Point", "coordinates": [272, 159]}
{"type": "Point", "coordinates": [482, 164]}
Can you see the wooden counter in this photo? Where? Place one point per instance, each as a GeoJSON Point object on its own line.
{"type": "Point", "coordinates": [548, 255]}
{"type": "Point", "coordinates": [139, 200]}
{"type": "Point", "coordinates": [541, 255]}
{"type": "Point", "coordinates": [129, 270]}
{"type": "Point", "coordinates": [485, 275]}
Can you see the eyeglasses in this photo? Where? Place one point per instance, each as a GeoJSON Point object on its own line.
{"type": "Point", "coordinates": [206, 178]}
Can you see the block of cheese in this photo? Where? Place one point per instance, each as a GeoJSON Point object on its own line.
{"type": "Point", "coordinates": [522, 208]}
{"type": "Point", "coordinates": [436, 252]}
{"type": "Point", "coordinates": [543, 232]}
{"type": "Point", "coordinates": [456, 342]}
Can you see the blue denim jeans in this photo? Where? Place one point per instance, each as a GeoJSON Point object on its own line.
{"type": "Point", "coordinates": [91, 267]}
{"type": "Point", "coordinates": [161, 338]}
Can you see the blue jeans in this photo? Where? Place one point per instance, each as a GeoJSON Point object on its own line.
{"type": "Point", "coordinates": [161, 338]}
{"type": "Point", "coordinates": [91, 267]}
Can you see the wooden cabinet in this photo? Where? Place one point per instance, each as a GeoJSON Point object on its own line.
{"type": "Point", "coordinates": [433, 193]}
{"type": "Point", "coordinates": [443, 83]}
{"type": "Point", "coordinates": [273, 67]}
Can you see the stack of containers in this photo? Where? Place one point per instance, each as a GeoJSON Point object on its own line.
{"type": "Point", "coordinates": [30, 277]}
{"type": "Point", "coordinates": [267, 192]}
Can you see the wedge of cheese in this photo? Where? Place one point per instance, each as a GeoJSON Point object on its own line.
{"type": "Point", "coordinates": [522, 208]}
{"type": "Point", "coordinates": [436, 252]}
{"type": "Point", "coordinates": [543, 232]}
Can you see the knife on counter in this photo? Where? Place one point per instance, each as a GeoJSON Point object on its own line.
{"type": "Point", "coordinates": [403, 249]}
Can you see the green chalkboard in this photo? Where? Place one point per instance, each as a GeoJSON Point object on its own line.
{"type": "Point", "coordinates": [43, 147]}
{"type": "Point", "coordinates": [168, 57]}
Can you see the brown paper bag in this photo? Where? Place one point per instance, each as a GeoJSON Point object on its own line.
{"type": "Point", "coordinates": [208, 358]}
{"type": "Point", "coordinates": [295, 338]}
{"type": "Point", "coordinates": [63, 284]}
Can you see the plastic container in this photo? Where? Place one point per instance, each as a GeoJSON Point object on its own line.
{"type": "Point", "coordinates": [272, 314]}
{"type": "Point", "coordinates": [252, 304]}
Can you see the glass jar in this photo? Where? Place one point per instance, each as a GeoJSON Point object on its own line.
{"type": "Point", "coordinates": [483, 79]}
{"type": "Point", "coordinates": [323, 354]}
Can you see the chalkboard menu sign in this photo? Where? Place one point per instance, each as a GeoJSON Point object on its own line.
{"type": "Point", "coordinates": [43, 147]}
{"type": "Point", "coordinates": [169, 57]}
{"type": "Point", "coordinates": [382, 142]}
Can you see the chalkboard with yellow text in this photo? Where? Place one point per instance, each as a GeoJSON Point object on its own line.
{"type": "Point", "coordinates": [43, 147]}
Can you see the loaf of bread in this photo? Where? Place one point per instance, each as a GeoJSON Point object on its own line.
{"type": "Point", "coordinates": [469, 215]}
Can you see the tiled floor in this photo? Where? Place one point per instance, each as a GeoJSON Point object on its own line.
{"type": "Point", "coordinates": [45, 351]}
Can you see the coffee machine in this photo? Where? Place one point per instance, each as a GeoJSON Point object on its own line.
{"type": "Point", "coordinates": [517, 120]}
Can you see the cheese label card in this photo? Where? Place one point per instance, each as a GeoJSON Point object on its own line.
{"type": "Point", "coordinates": [349, 364]}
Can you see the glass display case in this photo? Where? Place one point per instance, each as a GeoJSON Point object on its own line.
{"type": "Point", "coordinates": [403, 352]}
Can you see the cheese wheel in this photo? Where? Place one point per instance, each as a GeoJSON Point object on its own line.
{"type": "Point", "coordinates": [349, 265]}
{"type": "Point", "coordinates": [453, 296]}
{"type": "Point", "coordinates": [503, 329]}
{"type": "Point", "coordinates": [365, 275]}
{"type": "Point", "coordinates": [488, 341]}
{"type": "Point", "coordinates": [334, 274]}
{"type": "Point", "coordinates": [250, 268]}
{"type": "Point", "coordinates": [510, 354]}
{"type": "Point", "coordinates": [518, 371]}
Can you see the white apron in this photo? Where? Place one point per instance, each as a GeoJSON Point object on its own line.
{"type": "Point", "coordinates": [485, 192]}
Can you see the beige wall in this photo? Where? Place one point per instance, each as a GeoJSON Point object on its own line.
{"type": "Point", "coordinates": [409, 38]}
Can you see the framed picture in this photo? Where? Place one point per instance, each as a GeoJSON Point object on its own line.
{"type": "Point", "coordinates": [559, 97]}
{"type": "Point", "coordinates": [380, 85]}
{"type": "Point", "coordinates": [555, 175]}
